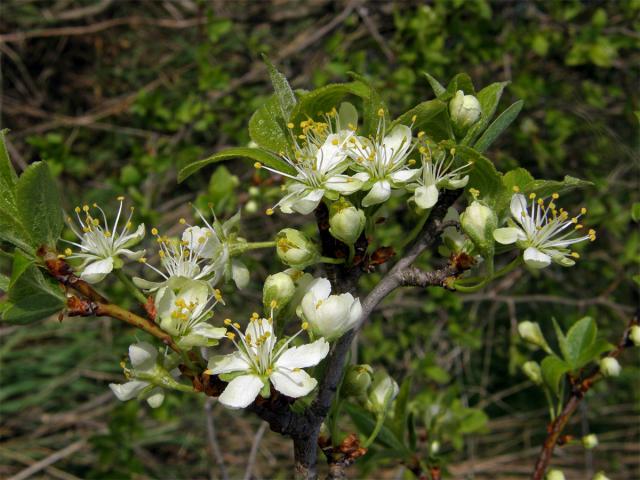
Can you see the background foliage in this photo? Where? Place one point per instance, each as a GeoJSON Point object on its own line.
{"type": "Point", "coordinates": [116, 95]}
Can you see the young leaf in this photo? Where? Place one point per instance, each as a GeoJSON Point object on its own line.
{"type": "Point", "coordinates": [39, 205]}
{"type": "Point", "coordinates": [562, 340]}
{"type": "Point", "coordinates": [268, 129]}
{"type": "Point", "coordinates": [593, 352]}
{"type": "Point", "coordinates": [366, 423]}
{"type": "Point", "coordinates": [284, 93]}
{"type": "Point", "coordinates": [8, 177]}
{"type": "Point", "coordinates": [399, 422]}
{"type": "Point", "coordinates": [431, 118]}
{"type": "Point", "coordinates": [436, 86]}
{"type": "Point", "coordinates": [4, 283]}
{"type": "Point", "coordinates": [461, 81]}
{"type": "Point", "coordinates": [254, 154]}
{"type": "Point", "coordinates": [498, 126]}
{"type": "Point", "coordinates": [580, 337]}
{"type": "Point", "coordinates": [518, 177]}
{"type": "Point", "coordinates": [31, 296]}
{"type": "Point", "coordinates": [544, 188]}
{"type": "Point", "coordinates": [483, 175]}
{"type": "Point", "coordinates": [489, 97]}
{"type": "Point", "coordinates": [553, 369]}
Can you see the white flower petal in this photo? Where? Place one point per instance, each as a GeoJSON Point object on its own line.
{"type": "Point", "coordinates": [304, 356]}
{"type": "Point", "coordinates": [507, 235]}
{"type": "Point", "coordinates": [404, 176]}
{"type": "Point", "coordinates": [130, 254]}
{"type": "Point", "coordinates": [241, 391]}
{"type": "Point", "coordinates": [239, 273]}
{"type": "Point", "coordinates": [362, 176]}
{"type": "Point", "coordinates": [307, 202]}
{"type": "Point", "coordinates": [133, 238]}
{"type": "Point", "coordinates": [142, 355]}
{"type": "Point", "coordinates": [380, 192]}
{"type": "Point", "coordinates": [291, 383]}
{"type": "Point", "coordinates": [209, 331]}
{"type": "Point", "coordinates": [535, 258]}
{"type": "Point", "coordinates": [343, 184]}
{"type": "Point", "coordinates": [518, 207]}
{"type": "Point", "coordinates": [96, 271]}
{"type": "Point", "coordinates": [320, 288]}
{"type": "Point", "coordinates": [426, 196]}
{"type": "Point", "coordinates": [156, 398]}
{"type": "Point", "coordinates": [348, 115]}
{"type": "Point", "coordinates": [234, 362]}
{"type": "Point", "coordinates": [396, 143]}
{"type": "Point", "coordinates": [146, 284]}
{"type": "Point", "coordinates": [129, 390]}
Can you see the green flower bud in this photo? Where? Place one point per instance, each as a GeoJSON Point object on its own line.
{"type": "Point", "coordinates": [346, 222]}
{"type": "Point", "coordinates": [479, 221]}
{"type": "Point", "coordinates": [555, 475]}
{"type": "Point", "coordinates": [600, 476]}
{"type": "Point", "coordinates": [634, 335]}
{"type": "Point", "coordinates": [531, 332]}
{"type": "Point", "coordinates": [277, 291]}
{"type": "Point", "coordinates": [465, 110]}
{"type": "Point", "coordinates": [381, 393]}
{"type": "Point", "coordinates": [295, 249]}
{"type": "Point", "coordinates": [357, 380]}
{"type": "Point", "coordinates": [533, 372]}
{"type": "Point", "coordinates": [610, 367]}
{"type": "Point", "coordinates": [434, 448]}
{"type": "Point", "coordinates": [590, 441]}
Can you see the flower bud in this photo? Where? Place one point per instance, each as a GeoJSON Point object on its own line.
{"type": "Point", "coordinates": [610, 367]}
{"type": "Point", "coordinates": [479, 221]}
{"type": "Point", "coordinates": [465, 110]}
{"type": "Point", "coordinates": [533, 372]}
{"type": "Point", "coordinates": [530, 332]}
{"type": "Point", "coordinates": [600, 476]}
{"type": "Point", "coordinates": [381, 393]}
{"type": "Point", "coordinates": [590, 441]}
{"type": "Point", "coordinates": [555, 475]}
{"type": "Point", "coordinates": [357, 380]}
{"type": "Point", "coordinates": [278, 288]}
{"type": "Point", "coordinates": [634, 335]}
{"type": "Point", "coordinates": [434, 448]}
{"type": "Point", "coordinates": [295, 249]}
{"type": "Point", "coordinates": [346, 222]}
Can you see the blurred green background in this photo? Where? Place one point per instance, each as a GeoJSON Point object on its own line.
{"type": "Point", "coordinates": [115, 95]}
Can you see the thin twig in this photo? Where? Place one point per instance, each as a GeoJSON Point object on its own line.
{"type": "Point", "coordinates": [253, 455]}
{"type": "Point", "coordinates": [50, 460]}
{"type": "Point", "coordinates": [212, 438]}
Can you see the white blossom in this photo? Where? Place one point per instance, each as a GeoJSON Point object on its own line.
{"type": "Point", "coordinates": [543, 232]}
{"type": "Point", "coordinates": [260, 361]}
{"type": "Point", "coordinates": [381, 161]}
{"type": "Point", "coordinates": [102, 245]}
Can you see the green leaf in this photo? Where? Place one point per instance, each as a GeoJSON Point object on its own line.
{"type": "Point", "coordinates": [544, 188]}
{"type": "Point", "coordinates": [39, 205]}
{"type": "Point", "coordinates": [254, 154]}
{"type": "Point", "coordinates": [483, 175]}
{"type": "Point", "coordinates": [399, 423]}
{"type": "Point", "coordinates": [284, 93]}
{"type": "Point", "coordinates": [474, 420]}
{"type": "Point", "coordinates": [580, 337]}
{"type": "Point", "coordinates": [8, 177]}
{"type": "Point", "coordinates": [498, 126]}
{"type": "Point", "coordinates": [635, 212]}
{"type": "Point", "coordinates": [268, 129]}
{"type": "Point", "coordinates": [371, 103]}
{"type": "Point", "coordinates": [489, 97]}
{"type": "Point", "coordinates": [518, 177]}
{"type": "Point", "coordinates": [436, 86]}
{"type": "Point", "coordinates": [562, 340]}
{"type": "Point", "coordinates": [431, 118]}
{"type": "Point", "coordinates": [593, 352]}
{"type": "Point", "coordinates": [323, 99]}
{"type": "Point", "coordinates": [553, 369]}
{"type": "Point", "coordinates": [365, 424]}
{"type": "Point", "coordinates": [4, 283]}
{"type": "Point", "coordinates": [31, 296]}
{"type": "Point", "coordinates": [461, 81]}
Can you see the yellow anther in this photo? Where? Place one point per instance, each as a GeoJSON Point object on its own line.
{"type": "Point", "coordinates": [85, 208]}
{"type": "Point", "coordinates": [77, 209]}
{"type": "Point", "coordinates": [516, 188]}
{"type": "Point", "coordinates": [413, 119]}
{"type": "Point", "coordinates": [411, 162]}
{"type": "Point", "coordinates": [257, 165]}
{"type": "Point", "coordinates": [273, 304]}
{"type": "Point", "coordinates": [583, 211]}
{"type": "Point", "coordinates": [335, 141]}
{"type": "Point", "coordinates": [218, 294]}
{"type": "Point", "coordinates": [96, 222]}
{"type": "Point", "coordinates": [579, 226]}
{"type": "Point", "coordinates": [154, 231]}
{"type": "Point", "coordinates": [269, 211]}
{"type": "Point", "coordinates": [161, 254]}
{"type": "Point", "coordinates": [107, 234]}
{"type": "Point", "coordinates": [120, 198]}
{"type": "Point", "coordinates": [128, 225]}
{"type": "Point", "coordinates": [227, 321]}
{"type": "Point", "coordinates": [301, 137]}
{"type": "Point", "coordinates": [452, 151]}
{"type": "Point", "coordinates": [201, 240]}
{"type": "Point", "coordinates": [237, 325]}
{"type": "Point", "coordinates": [67, 251]}
{"type": "Point", "coordinates": [297, 369]}
{"type": "Point", "coordinates": [381, 112]}
{"type": "Point", "coordinates": [142, 260]}
{"type": "Point", "coordinates": [305, 325]}
{"type": "Point", "coordinates": [532, 195]}
{"type": "Point", "coordinates": [575, 254]}
{"type": "Point", "coordinates": [230, 335]}
{"type": "Point", "coordinates": [421, 134]}
{"type": "Point", "coordinates": [555, 196]}
{"type": "Point", "coordinates": [290, 125]}
{"type": "Point", "coordinates": [269, 371]}
{"type": "Point", "coordinates": [574, 220]}
{"type": "Point", "coordinates": [255, 316]}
